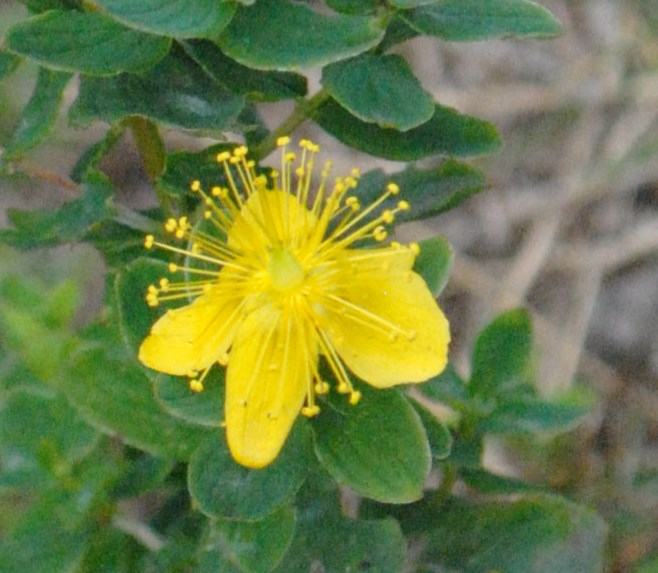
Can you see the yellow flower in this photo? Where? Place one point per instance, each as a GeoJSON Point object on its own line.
{"type": "Point", "coordinates": [275, 282]}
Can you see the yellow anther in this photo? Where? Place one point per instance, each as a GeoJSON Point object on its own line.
{"type": "Point", "coordinates": [148, 241]}
{"type": "Point", "coordinates": [152, 289]}
{"type": "Point", "coordinates": [173, 267]}
{"type": "Point", "coordinates": [392, 188]}
{"type": "Point", "coordinates": [164, 284]}
{"type": "Point", "coordinates": [195, 185]}
{"type": "Point", "coordinates": [404, 205]}
{"type": "Point", "coordinates": [353, 203]}
{"type": "Point", "coordinates": [343, 388]}
{"type": "Point", "coordinates": [240, 151]}
{"type": "Point", "coordinates": [380, 233]}
{"type": "Point", "coordinates": [223, 156]}
{"type": "Point", "coordinates": [351, 182]}
{"type": "Point", "coordinates": [388, 216]}
{"type": "Point", "coordinates": [414, 248]}
{"type": "Point", "coordinates": [310, 411]}
{"type": "Point", "coordinates": [281, 141]}
{"type": "Point", "coordinates": [356, 173]}
{"type": "Point", "coordinates": [355, 396]}
{"type": "Point", "coordinates": [321, 387]}
{"type": "Point", "coordinates": [215, 191]}
{"type": "Point", "coordinates": [207, 214]}
{"type": "Point", "coordinates": [396, 245]}
{"type": "Point", "coordinates": [196, 385]}
{"type": "Point", "coordinates": [290, 157]}
{"type": "Point", "coordinates": [180, 233]}
{"type": "Point", "coordinates": [170, 225]}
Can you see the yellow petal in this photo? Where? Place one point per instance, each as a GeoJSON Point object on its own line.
{"type": "Point", "coordinates": [267, 379]}
{"type": "Point", "coordinates": [388, 329]}
{"type": "Point", "coordinates": [191, 338]}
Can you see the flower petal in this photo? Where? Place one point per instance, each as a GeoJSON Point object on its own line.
{"type": "Point", "coordinates": [384, 322]}
{"type": "Point", "coordinates": [191, 338]}
{"type": "Point", "coordinates": [268, 375]}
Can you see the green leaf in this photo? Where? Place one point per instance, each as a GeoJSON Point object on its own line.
{"type": "Point", "coordinates": [39, 114]}
{"type": "Point", "coordinates": [407, 4]}
{"type": "Point", "coordinates": [379, 89]}
{"type": "Point", "coordinates": [254, 546]}
{"type": "Point", "coordinates": [341, 545]}
{"type": "Point", "coordinates": [434, 263]}
{"type": "Point", "coordinates": [529, 415]}
{"type": "Point", "coordinates": [486, 482]}
{"type": "Point", "coordinates": [38, 6]}
{"type": "Point", "coordinates": [130, 285]}
{"type": "Point", "coordinates": [70, 223]}
{"type": "Point", "coordinates": [283, 35]}
{"type": "Point", "coordinates": [502, 354]}
{"type": "Point", "coordinates": [397, 31]}
{"type": "Point", "coordinates": [29, 324]}
{"type": "Point", "coordinates": [446, 133]}
{"type": "Point", "coordinates": [42, 543]}
{"type": "Point", "coordinates": [256, 85]}
{"type": "Point", "coordinates": [88, 42]}
{"type": "Point", "coordinates": [8, 63]}
{"type": "Point", "coordinates": [114, 394]}
{"type": "Point", "coordinates": [204, 408]}
{"type": "Point", "coordinates": [539, 534]}
{"type": "Point", "coordinates": [428, 191]}
{"type": "Point", "coordinates": [43, 434]}
{"type": "Point", "coordinates": [353, 6]}
{"type": "Point", "coordinates": [378, 447]}
{"type": "Point", "coordinates": [438, 435]}
{"type": "Point", "coordinates": [223, 489]}
{"type": "Point", "coordinates": [448, 387]}
{"type": "Point", "coordinates": [189, 19]}
{"type": "Point", "coordinates": [468, 20]}
{"type": "Point", "coordinates": [176, 92]}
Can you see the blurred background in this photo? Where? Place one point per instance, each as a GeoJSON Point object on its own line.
{"type": "Point", "coordinates": [568, 228]}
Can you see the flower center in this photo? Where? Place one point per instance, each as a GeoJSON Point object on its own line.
{"type": "Point", "coordinates": [286, 273]}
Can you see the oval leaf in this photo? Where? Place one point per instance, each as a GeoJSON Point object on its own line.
{"type": "Point", "coordinates": [283, 35]}
{"type": "Point", "coordinates": [434, 263]}
{"type": "Point", "coordinates": [85, 42]}
{"type": "Point", "coordinates": [176, 92]}
{"type": "Point", "coordinates": [446, 133]}
{"type": "Point", "coordinates": [255, 546]}
{"type": "Point", "coordinates": [379, 89]}
{"type": "Point", "coordinates": [254, 84]}
{"type": "Point", "coordinates": [378, 447]}
{"type": "Point", "coordinates": [130, 285]}
{"type": "Point", "coordinates": [341, 545]}
{"type": "Point", "coordinates": [468, 20]}
{"type": "Point", "coordinates": [176, 18]}
{"type": "Point", "coordinates": [225, 490]}
{"type": "Point", "coordinates": [40, 113]}
{"type": "Point", "coordinates": [204, 408]}
{"type": "Point", "coordinates": [540, 534]}
{"type": "Point", "coordinates": [502, 354]}
{"type": "Point", "coordinates": [114, 395]}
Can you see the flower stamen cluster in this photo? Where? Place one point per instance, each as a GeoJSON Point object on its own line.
{"type": "Point", "coordinates": [278, 274]}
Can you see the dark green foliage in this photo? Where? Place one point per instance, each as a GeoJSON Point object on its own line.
{"type": "Point", "coordinates": [108, 467]}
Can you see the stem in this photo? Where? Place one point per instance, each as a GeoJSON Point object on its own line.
{"type": "Point", "coordinates": [134, 220]}
{"type": "Point", "coordinates": [303, 110]}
